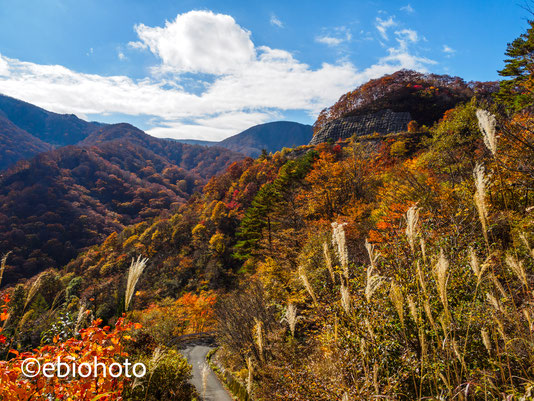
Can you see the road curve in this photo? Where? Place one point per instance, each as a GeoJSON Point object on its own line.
{"type": "Point", "coordinates": [214, 391]}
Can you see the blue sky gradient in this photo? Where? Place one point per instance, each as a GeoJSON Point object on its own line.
{"type": "Point", "coordinates": [58, 54]}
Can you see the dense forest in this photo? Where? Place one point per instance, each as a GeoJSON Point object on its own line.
{"type": "Point", "coordinates": [65, 200]}
{"type": "Point", "coordinates": [395, 266]}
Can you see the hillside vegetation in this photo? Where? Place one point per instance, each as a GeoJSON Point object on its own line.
{"type": "Point", "coordinates": [396, 266]}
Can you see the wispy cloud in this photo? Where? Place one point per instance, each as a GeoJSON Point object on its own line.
{"type": "Point", "coordinates": [275, 21]}
{"type": "Point", "coordinates": [408, 9]}
{"type": "Point", "coordinates": [382, 25]}
{"type": "Point", "coordinates": [335, 37]}
{"type": "Point", "coordinates": [241, 84]}
{"type": "Point", "coordinates": [449, 51]}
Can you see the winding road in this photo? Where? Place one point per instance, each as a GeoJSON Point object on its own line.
{"type": "Point", "coordinates": [196, 356]}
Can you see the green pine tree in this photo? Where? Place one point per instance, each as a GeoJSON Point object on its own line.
{"type": "Point", "coordinates": [517, 92]}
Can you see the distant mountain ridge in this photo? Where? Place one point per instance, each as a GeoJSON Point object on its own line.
{"type": "Point", "coordinates": [272, 137]}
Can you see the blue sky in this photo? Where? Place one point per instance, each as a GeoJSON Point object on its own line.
{"type": "Point", "coordinates": [209, 69]}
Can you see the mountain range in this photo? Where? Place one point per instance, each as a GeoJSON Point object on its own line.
{"type": "Point", "coordinates": [271, 137]}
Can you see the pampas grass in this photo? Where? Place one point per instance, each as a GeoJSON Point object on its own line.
{"type": "Point", "coordinates": [3, 265]}
{"type": "Point", "coordinates": [480, 199]}
{"type": "Point", "coordinates": [258, 336]}
{"type": "Point", "coordinates": [339, 242]}
{"type": "Point", "coordinates": [441, 271]}
{"type": "Point", "coordinates": [304, 278]}
{"type": "Point", "coordinates": [412, 218]}
{"type": "Point", "coordinates": [345, 298]}
{"type": "Point", "coordinates": [291, 318]}
{"type": "Point", "coordinates": [328, 261]}
{"type": "Point", "coordinates": [517, 267]}
{"type": "Point", "coordinates": [486, 339]}
{"type": "Point", "coordinates": [135, 271]}
{"type": "Point", "coordinates": [250, 369]}
{"type": "Point", "coordinates": [33, 290]}
{"type": "Point", "coordinates": [487, 124]}
{"type": "Point", "coordinates": [395, 294]}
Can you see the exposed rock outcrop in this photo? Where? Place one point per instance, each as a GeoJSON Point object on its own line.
{"type": "Point", "coordinates": [382, 122]}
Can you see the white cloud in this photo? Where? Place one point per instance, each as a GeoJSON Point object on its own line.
{"type": "Point", "coordinates": [268, 83]}
{"type": "Point", "coordinates": [383, 25]}
{"type": "Point", "coordinates": [448, 50]}
{"type": "Point", "coordinates": [121, 55]}
{"type": "Point", "coordinates": [276, 22]}
{"type": "Point", "coordinates": [336, 37]}
{"type": "Point", "coordinates": [408, 9]}
{"type": "Point", "coordinates": [406, 36]}
{"type": "Point", "coordinates": [198, 42]}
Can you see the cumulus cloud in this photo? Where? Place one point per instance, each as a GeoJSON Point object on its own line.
{"type": "Point", "coordinates": [276, 22]}
{"type": "Point", "coordinates": [248, 88]}
{"type": "Point", "coordinates": [382, 25]}
{"type": "Point", "coordinates": [198, 42]}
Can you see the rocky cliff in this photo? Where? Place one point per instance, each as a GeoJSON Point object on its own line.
{"type": "Point", "coordinates": [382, 122]}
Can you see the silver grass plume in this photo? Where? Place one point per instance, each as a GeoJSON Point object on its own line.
{"type": "Point", "coordinates": [339, 242]}
{"type": "Point", "coordinates": [442, 276]}
{"type": "Point", "coordinates": [413, 308]}
{"type": "Point", "coordinates": [421, 277]}
{"type": "Point", "coordinates": [250, 369]}
{"type": "Point", "coordinates": [135, 271]}
{"type": "Point", "coordinates": [487, 124]}
{"type": "Point", "coordinates": [373, 284]}
{"type": "Point", "coordinates": [304, 278]}
{"type": "Point", "coordinates": [33, 290]}
{"type": "Point", "coordinates": [345, 298]}
{"type": "Point", "coordinates": [412, 218]}
{"type": "Point", "coordinates": [258, 336]}
{"type": "Point", "coordinates": [328, 261]}
{"type": "Point", "coordinates": [3, 265]}
{"type": "Point", "coordinates": [517, 267]}
{"type": "Point", "coordinates": [345, 396]}
{"type": "Point", "coordinates": [291, 317]}
{"type": "Point", "coordinates": [494, 302]}
{"type": "Point", "coordinates": [395, 294]}
{"type": "Point", "coordinates": [423, 249]}
{"type": "Point", "coordinates": [373, 256]}
{"type": "Point", "coordinates": [480, 198]}
{"type": "Point", "coordinates": [524, 238]}
{"type": "Point", "coordinates": [486, 339]}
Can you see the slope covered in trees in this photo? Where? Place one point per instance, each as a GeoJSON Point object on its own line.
{"type": "Point", "coordinates": [73, 197]}
{"type": "Point", "coordinates": [17, 144]}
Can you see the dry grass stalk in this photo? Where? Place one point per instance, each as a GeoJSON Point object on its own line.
{"type": "Point", "coordinates": [524, 238]}
{"type": "Point", "coordinates": [517, 267]}
{"type": "Point", "coordinates": [345, 396]}
{"type": "Point", "coordinates": [487, 124]}
{"type": "Point", "coordinates": [33, 290]}
{"type": "Point", "coordinates": [395, 294]}
{"type": "Point", "coordinates": [258, 336]}
{"type": "Point", "coordinates": [304, 278]}
{"type": "Point", "coordinates": [413, 308]}
{"type": "Point", "coordinates": [291, 317]}
{"type": "Point", "coordinates": [250, 369]}
{"type": "Point", "coordinates": [494, 302]}
{"type": "Point", "coordinates": [345, 298]}
{"type": "Point", "coordinates": [480, 199]}
{"type": "Point", "coordinates": [421, 278]}
{"type": "Point", "coordinates": [486, 339]}
{"type": "Point", "coordinates": [373, 256]}
{"type": "Point", "coordinates": [428, 312]}
{"type": "Point", "coordinates": [442, 277]}
{"type": "Point", "coordinates": [373, 284]}
{"type": "Point", "coordinates": [135, 271]}
{"type": "Point", "coordinates": [339, 242]}
{"type": "Point", "coordinates": [412, 218]}
{"type": "Point", "coordinates": [423, 249]}
{"type": "Point", "coordinates": [82, 313]}
{"type": "Point", "coordinates": [328, 261]}
{"type": "Point", "coordinates": [369, 328]}
{"type": "Point", "coordinates": [3, 265]}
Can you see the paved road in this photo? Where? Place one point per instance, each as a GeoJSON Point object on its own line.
{"type": "Point", "coordinates": [196, 356]}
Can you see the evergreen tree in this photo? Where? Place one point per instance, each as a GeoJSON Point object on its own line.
{"type": "Point", "coordinates": [517, 92]}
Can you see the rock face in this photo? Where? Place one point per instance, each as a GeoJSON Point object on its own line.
{"type": "Point", "coordinates": [383, 122]}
